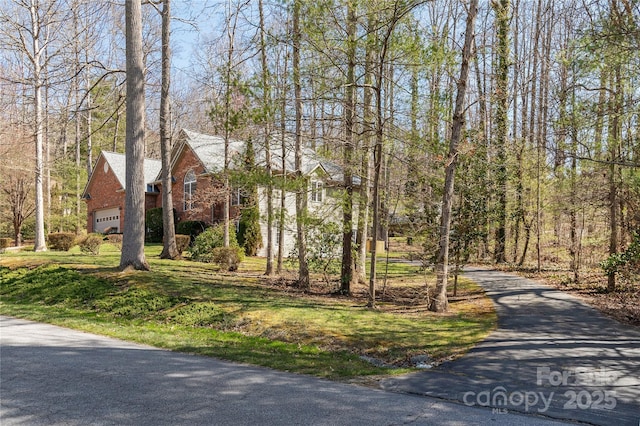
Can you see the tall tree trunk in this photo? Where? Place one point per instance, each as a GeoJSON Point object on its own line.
{"type": "Point", "coordinates": [169, 248]}
{"type": "Point", "coordinates": [366, 172]}
{"type": "Point", "coordinates": [226, 206]}
{"type": "Point", "coordinates": [266, 104]}
{"type": "Point", "coordinates": [501, 8]}
{"type": "Point", "coordinates": [40, 241]}
{"type": "Point", "coordinates": [541, 137]}
{"type": "Point", "coordinates": [77, 139]}
{"type": "Point", "coordinates": [484, 147]}
{"type": "Point", "coordinates": [377, 168]}
{"type": "Point", "coordinates": [349, 110]}
{"type": "Point", "coordinates": [519, 209]}
{"type": "Point", "coordinates": [440, 303]}
{"type": "Point", "coordinates": [47, 147]}
{"type": "Point", "coordinates": [89, 124]}
{"type": "Point", "coordinates": [301, 193]}
{"type": "Point", "coordinates": [283, 187]}
{"type": "Point", "coordinates": [613, 143]}
{"type": "Point", "coordinates": [133, 236]}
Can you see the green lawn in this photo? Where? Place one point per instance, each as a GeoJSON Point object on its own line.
{"type": "Point", "coordinates": [192, 307]}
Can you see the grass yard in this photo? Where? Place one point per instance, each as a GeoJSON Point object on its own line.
{"type": "Point", "coordinates": [244, 316]}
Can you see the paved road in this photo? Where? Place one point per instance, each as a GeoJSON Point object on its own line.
{"type": "Point", "coordinates": [551, 354]}
{"type": "Point", "coordinates": [53, 376]}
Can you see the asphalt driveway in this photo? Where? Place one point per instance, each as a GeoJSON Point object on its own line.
{"type": "Point", "coordinates": [55, 376]}
{"type": "Point", "coordinates": [551, 355]}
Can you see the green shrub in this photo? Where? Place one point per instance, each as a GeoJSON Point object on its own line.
{"type": "Point", "coordinates": [182, 242]}
{"type": "Point", "coordinates": [153, 224]}
{"type": "Point", "coordinates": [193, 228]}
{"type": "Point", "coordinates": [323, 247]}
{"type": "Point", "coordinates": [91, 244]}
{"type": "Point", "coordinates": [202, 248]}
{"type": "Point", "coordinates": [626, 263]}
{"type": "Point", "coordinates": [197, 314]}
{"type": "Point", "coordinates": [249, 236]}
{"type": "Point", "coordinates": [227, 258]}
{"type": "Point", "coordinates": [115, 240]}
{"type": "Point", "coordinates": [62, 241]}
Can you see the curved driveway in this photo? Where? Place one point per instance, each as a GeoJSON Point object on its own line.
{"type": "Point", "coordinates": [55, 376]}
{"type": "Point", "coordinates": [552, 354]}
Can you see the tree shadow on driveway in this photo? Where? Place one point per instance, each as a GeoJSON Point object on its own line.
{"type": "Point", "coordinates": [551, 355]}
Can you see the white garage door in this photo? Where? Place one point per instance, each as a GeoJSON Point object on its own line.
{"type": "Point", "coordinates": [105, 219]}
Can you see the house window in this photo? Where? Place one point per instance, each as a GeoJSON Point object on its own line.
{"type": "Point", "coordinates": [316, 192]}
{"type": "Point", "coordinates": [277, 239]}
{"type": "Point", "coordinates": [189, 190]}
{"type": "Point", "coordinates": [236, 197]}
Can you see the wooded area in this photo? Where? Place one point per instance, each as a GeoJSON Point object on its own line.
{"type": "Point", "coordinates": [533, 116]}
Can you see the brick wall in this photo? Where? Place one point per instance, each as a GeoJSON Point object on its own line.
{"type": "Point", "coordinates": [186, 162]}
{"type": "Point", "coordinates": [106, 192]}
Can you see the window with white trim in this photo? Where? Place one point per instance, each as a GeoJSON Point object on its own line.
{"type": "Point", "coordinates": [189, 190]}
{"type": "Point", "coordinates": [277, 236]}
{"type": "Point", "coordinates": [317, 189]}
{"type": "Point", "coordinates": [237, 197]}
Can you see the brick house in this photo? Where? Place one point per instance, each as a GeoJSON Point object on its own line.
{"type": "Point", "coordinates": [197, 160]}
{"type": "Point", "coordinates": [104, 192]}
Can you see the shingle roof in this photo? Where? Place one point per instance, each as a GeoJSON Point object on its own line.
{"type": "Point", "coordinates": [118, 164]}
{"type": "Point", "coordinates": [210, 151]}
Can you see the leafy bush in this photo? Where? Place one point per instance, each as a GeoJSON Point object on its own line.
{"type": "Point", "coordinates": [227, 258]}
{"type": "Point", "coordinates": [115, 240]}
{"type": "Point", "coordinates": [62, 241]}
{"type": "Point", "coordinates": [626, 263]}
{"type": "Point", "coordinates": [91, 244]}
{"type": "Point", "coordinates": [182, 242]}
{"type": "Point", "coordinates": [202, 248]}
{"type": "Point", "coordinates": [249, 236]}
{"type": "Point", "coordinates": [324, 240]}
{"type": "Point", "coordinates": [193, 228]}
{"type": "Point", "coordinates": [154, 225]}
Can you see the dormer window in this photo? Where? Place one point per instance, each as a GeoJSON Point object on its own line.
{"type": "Point", "coordinates": [317, 189]}
{"type": "Point", "coordinates": [189, 190]}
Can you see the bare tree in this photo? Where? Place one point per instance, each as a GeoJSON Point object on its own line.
{"type": "Point", "coordinates": [169, 250]}
{"type": "Point", "coordinates": [301, 193]}
{"type": "Point", "coordinates": [133, 256]}
{"type": "Point", "coordinates": [501, 8]}
{"type": "Point", "coordinates": [28, 32]}
{"type": "Point", "coordinates": [440, 302]}
{"type": "Point", "coordinates": [266, 105]}
{"type": "Point", "coordinates": [16, 175]}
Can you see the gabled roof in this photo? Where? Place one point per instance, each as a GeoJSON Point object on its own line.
{"type": "Point", "coordinates": [210, 149]}
{"type": "Point", "coordinates": [118, 165]}
{"type": "Point", "coordinates": [210, 152]}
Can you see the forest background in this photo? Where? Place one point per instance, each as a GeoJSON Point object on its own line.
{"type": "Point", "coordinates": [546, 168]}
